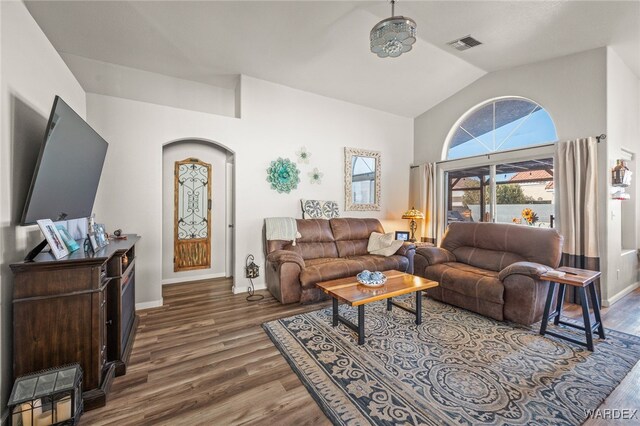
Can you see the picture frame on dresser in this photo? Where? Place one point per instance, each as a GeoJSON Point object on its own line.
{"type": "Point", "coordinates": [53, 237]}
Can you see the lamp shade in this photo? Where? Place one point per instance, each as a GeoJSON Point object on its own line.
{"type": "Point", "coordinates": [413, 214]}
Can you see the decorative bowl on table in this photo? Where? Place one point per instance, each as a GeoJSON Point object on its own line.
{"type": "Point", "coordinates": [371, 279]}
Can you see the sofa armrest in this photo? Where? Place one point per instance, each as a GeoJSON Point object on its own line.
{"type": "Point", "coordinates": [282, 256]}
{"type": "Point", "coordinates": [405, 248]}
{"type": "Point", "coordinates": [435, 255]}
{"type": "Point", "coordinates": [530, 269]}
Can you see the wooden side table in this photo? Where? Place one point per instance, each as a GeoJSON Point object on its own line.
{"type": "Point", "coordinates": [582, 280]}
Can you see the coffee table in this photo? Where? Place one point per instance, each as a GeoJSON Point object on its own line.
{"type": "Point", "coordinates": [350, 291]}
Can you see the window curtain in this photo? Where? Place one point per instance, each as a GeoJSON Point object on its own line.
{"type": "Point", "coordinates": [577, 200]}
{"type": "Point", "coordinates": [423, 179]}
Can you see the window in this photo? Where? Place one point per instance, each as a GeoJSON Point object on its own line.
{"type": "Point", "coordinates": [500, 125]}
{"type": "Point", "coordinates": [523, 193]}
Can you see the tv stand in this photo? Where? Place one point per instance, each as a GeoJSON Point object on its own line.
{"type": "Point", "coordinates": [80, 308]}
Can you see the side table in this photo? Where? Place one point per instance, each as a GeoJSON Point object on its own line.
{"type": "Point", "coordinates": [582, 280]}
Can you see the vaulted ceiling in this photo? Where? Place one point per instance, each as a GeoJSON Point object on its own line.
{"type": "Point", "coordinates": [323, 46]}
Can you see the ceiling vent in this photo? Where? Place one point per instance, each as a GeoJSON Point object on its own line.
{"type": "Point", "coordinates": [464, 43]}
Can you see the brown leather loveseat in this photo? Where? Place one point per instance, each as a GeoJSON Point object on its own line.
{"type": "Point", "coordinates": [492, 268]}
{"type": "Point", "coordinates": [328, 249]}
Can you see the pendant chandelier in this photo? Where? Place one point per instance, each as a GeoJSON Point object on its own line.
{"type": "Point", "coordinates": [393, 36]}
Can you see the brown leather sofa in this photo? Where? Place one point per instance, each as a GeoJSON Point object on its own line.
{"type": "Point", "coordinates": [492, 268]}
{"type": "Point", "coordinates": [328, 249]}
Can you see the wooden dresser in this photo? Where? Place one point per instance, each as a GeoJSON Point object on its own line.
{"type": "Point", "coordinates": [80, 308]}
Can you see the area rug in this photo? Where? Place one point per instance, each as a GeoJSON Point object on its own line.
{"type": "Point", "coordinates": [455, 368]}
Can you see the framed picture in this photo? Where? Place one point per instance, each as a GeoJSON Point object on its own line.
{"type": "Point", "coordinates": [93, 241]}
{"type": "Point", "coordinates": [402, 235]}
{"type": "Point", "coordinates": [71, 244]}
{"type": "Point", "coordinates": [51, 234]}
{"type": "Point", "coordinates": [100, 235]}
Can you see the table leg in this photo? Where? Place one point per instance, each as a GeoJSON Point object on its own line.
{"type": "Point", "coordinates": [418, 307]}
{"type": "Point", "coordinates": [389, 304]}
{"type": "Point", "coordinates": [335, 312]}
{"type": "Point", "coordinates": [547, 307]}
{"type": "Point", "coordinates": [361, 324]}
{"type": "Point", "coordinates": [596, 309]}
{"type": "Point", "coordinates": [561, 291]}
{"type": "Point", "coordinates": [585, 316]}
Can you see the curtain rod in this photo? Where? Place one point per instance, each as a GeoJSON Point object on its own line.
{"type": "Point", "coordinates": [600, 138]}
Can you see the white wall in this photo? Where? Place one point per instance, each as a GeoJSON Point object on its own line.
{"type": "Point", "coordinates": [218, 159]}
{"type": "Point", "coordinates": [276, 121]}
{"type": "Point", "coordinates": [586, 94]}
{"type": "Point", "coordinates": [571, 88]}
{"type": "Point", "coordinates": [623, 132]}
{"type": "Point", "coordinates": [32, 73]}
{"type": "Point", "coordinates": [130, 83]}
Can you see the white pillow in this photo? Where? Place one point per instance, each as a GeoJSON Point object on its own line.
{"type": "Point", "coordinates": [383, 244]}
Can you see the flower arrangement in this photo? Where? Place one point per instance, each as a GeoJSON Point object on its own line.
{"type": "Point", "coordinates": [530, 217]}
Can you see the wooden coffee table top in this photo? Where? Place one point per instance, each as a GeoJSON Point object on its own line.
{"type": "Point", "coordinates": [350, 291]}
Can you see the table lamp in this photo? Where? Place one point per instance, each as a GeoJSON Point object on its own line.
{"type": "Point", "coordinates": [413, 214]}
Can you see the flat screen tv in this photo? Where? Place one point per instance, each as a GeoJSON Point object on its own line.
{"type": "Point", "coordinates": [67, 173]}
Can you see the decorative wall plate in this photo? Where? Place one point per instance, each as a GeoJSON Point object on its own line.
{"type": "Point", "coordinates": [283, 175]}
{"type": "Point", "coordinates": [319, 209]}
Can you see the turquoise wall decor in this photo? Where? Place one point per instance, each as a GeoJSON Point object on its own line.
{"type": "Point", "coordinates": [283, 175]}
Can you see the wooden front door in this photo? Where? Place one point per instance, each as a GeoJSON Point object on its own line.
{"type": "Point", "coordinates": [192, 219]}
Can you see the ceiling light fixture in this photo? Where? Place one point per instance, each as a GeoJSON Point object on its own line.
{"type": "Point", "coordinates": [393, 36]}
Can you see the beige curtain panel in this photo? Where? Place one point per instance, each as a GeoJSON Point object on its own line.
{"type": "Point", "coordinates": [423, 196]}
{"type": "Point", "coordinates": [577, 203]}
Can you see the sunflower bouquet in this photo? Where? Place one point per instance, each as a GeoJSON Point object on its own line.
{"type": "Point", "coordinates": [530, 217]}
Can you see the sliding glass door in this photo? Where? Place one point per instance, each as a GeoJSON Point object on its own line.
{"type": "Point", "coordinates": [519, 192]}
{"type": "Point", "coordinates": [524, 193]}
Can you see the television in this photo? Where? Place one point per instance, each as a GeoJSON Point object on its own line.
{"type": "Point", "coordinates": [66, 176]}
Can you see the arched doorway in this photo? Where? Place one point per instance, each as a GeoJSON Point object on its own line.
{"type": "Point", "coordinates": [220, 218]}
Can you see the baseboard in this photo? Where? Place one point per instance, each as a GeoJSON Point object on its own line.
{"type": "Point", "coordinates": [148, 305]}
{"type": "Point", "coordinates": [613, 299]}
{"type": "Point", "coordinates": [193, 278]}
{"type": "Point", "coordinates": [244, 288]}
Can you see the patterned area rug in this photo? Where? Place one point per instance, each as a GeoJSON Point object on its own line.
{"type": "Point", "coordinates": [455, 368]}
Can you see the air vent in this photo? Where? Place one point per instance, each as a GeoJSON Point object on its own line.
{"type": "Point", "coordinates": [464, 43]}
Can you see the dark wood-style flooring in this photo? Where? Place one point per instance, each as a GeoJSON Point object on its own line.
{"type": "Point", "coordinates": [203, 358]}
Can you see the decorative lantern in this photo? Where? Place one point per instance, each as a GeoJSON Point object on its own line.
{"type": "Point", "coordinates": [618, 174]}
{"type": "Point", "coordinates": [251, 269]}
{"type": "Point", "coordinates": [48, 397]}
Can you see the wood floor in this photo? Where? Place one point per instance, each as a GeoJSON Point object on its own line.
{"type": "Point", "coordinates": [203, 358]}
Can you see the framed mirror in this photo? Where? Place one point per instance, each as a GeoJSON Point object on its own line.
{"type": "Point", "coordinates": [361, 179]}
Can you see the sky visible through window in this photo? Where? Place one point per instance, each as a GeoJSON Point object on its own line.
{"type": "Point", "coordinates": [519, 123]}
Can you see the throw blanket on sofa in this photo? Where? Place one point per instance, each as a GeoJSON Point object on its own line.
{"type": "Point", "coordinates": [282, 228]}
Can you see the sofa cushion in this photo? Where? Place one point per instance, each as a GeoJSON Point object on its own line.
{"type": "Point", "coordinates": [314, 250]}
{"type": "Point", "coordinates": [352, 234]}
{"type": "Point", "coordinates": [318, 261]}
{"type": "Point", "coordinates": [540, 245]}
{"type": "Point", "coordinates": [318, 270]}
{"type": "Point", "coordinates": [468, 280]}
{"type": "Point", "coordinates": [374, 262]}
{"type": "Point", "coordinates": [314, 230]}
{"type": "Point", "coordinates": [487, 259]}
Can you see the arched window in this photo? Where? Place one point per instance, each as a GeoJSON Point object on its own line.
{"type": "Point", "coordinates": [499, 125]}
